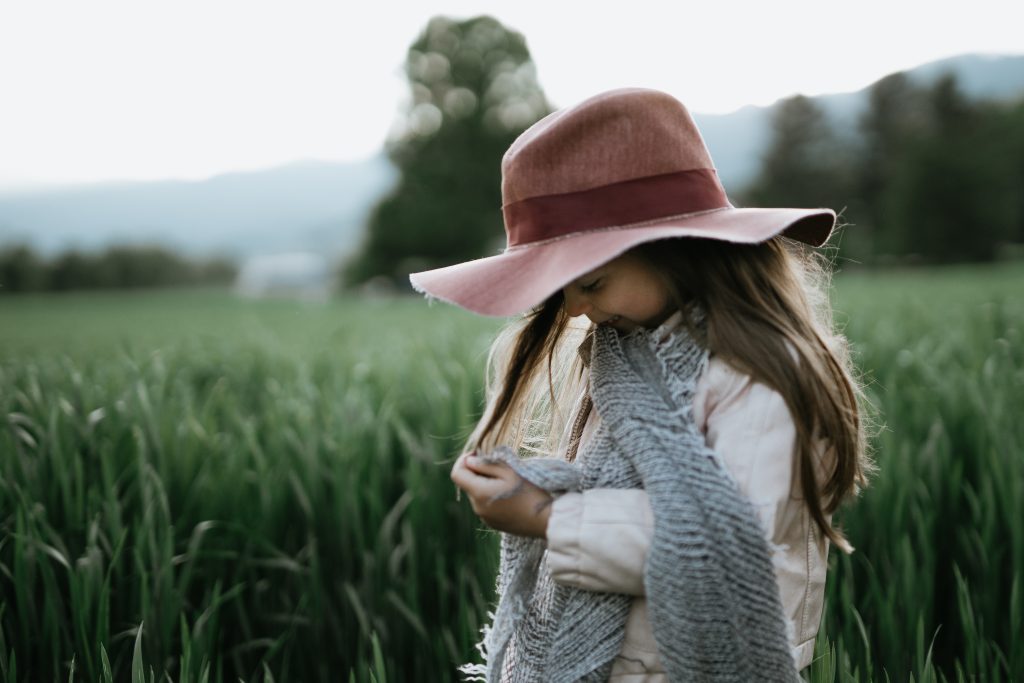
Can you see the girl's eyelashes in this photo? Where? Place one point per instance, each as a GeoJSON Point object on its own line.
{"type": "Point", "coordinates": [592, 286]}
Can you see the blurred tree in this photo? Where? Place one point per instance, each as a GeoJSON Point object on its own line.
{"type": "Point", "coordinates": [73, 270]}
{"type": "Point", "coordinates": [933, 176]}
{"type": "Point", "coordinates": [805, 164]}
{"type": "Point", "coordinates": [1013, 125]}
{"type": "Point", "coordinates": [129, 267]}
{"type": "Point", "coordinates": [216, 271]}
{"type": "Point", "coordinates": [20, 270]}
{"type": "Point", "coordinates": [898, 113]}
{"type": "Point", "coordinates": [956, 193]}
{"type": "Point", "coordinates": [474, 90]}
{"type": "Point", "coordinates": [116, 267]}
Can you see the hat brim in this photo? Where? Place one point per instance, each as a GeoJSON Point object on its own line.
{"type": "Point", "coordinates": [520, 278]}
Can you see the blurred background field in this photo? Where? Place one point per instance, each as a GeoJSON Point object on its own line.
{"type": "Point", "coordinates": [262, 487]}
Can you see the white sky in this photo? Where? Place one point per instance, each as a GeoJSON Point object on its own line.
{"type": "Point", "coordinates": [102, 89]}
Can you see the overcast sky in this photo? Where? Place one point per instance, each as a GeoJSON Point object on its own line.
{"type": "Point", "coordinates": [103, 90]}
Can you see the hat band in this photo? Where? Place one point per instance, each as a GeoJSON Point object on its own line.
{"type": "Point", "coordinates": [630, 201]}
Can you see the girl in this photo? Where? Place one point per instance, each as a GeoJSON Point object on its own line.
{"type": "Point", "coordinates": [707, 396]}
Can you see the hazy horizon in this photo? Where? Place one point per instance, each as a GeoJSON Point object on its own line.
{"type": "Point", "coordinates": [262, 85]}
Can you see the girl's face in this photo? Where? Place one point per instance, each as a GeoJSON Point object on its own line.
{"type": "Point", "coordinates": [625, 293]}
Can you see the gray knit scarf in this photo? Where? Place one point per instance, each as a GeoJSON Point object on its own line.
{"type": "Point", "coordinates": [713, 601]}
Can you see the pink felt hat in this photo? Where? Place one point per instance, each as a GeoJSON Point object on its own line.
{"type": "Point", "coordinates": [587, 183]}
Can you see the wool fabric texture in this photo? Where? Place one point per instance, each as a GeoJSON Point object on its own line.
{"type": "Point", "coordinates": [713, 600]}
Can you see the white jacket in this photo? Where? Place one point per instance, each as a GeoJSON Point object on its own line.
{"type": "Point", "coordinates": [598, 539]}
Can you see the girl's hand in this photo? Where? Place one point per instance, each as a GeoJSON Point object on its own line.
{"type": "Point", "coordinates": [525, 513]}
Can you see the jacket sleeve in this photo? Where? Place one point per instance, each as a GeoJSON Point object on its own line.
{"type": "Point", "coordinates": [598, 539]}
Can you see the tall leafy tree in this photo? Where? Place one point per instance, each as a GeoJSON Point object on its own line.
{"type": "Point", "coordinates": [473, 90]}
{"type": "Point", "coordinates": [897, 114]}
{"type": "Point", "coordinates": [957, 190]}
{"type": "Point", "coordinates": [805, 163]}
{"type": "Point", "coordinates": [20, 270]}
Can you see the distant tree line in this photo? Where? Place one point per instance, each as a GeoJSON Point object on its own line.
{"type": "Point", "coordinates": [117, 267]}
{"type": "Point", "coordinates": [928, 175]}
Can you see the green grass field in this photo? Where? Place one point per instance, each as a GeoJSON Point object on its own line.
{"type": "Point", "coordinates": [196, 487]}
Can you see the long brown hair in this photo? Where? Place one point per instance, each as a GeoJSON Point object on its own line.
{"type": "Point", "coordinates": [768, 315]}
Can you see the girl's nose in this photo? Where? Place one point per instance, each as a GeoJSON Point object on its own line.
{"type": "Point", "coordinates": [574, 304]}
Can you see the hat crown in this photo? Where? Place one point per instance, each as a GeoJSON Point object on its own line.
{"type": "Point", "coordinates": [612, 137]}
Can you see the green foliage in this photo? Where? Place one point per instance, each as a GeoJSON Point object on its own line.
{"type": "Point", "coordinates": [261, 484]}
{"type": "Point", "coordinates": [806, 164]}
{"type": "Point", "coordinates": [20, 270]}
{"type": "Point", "coordinates": [264, 486]}
{"type": "Point", "coordinates": [929, 175]}
{"type": "Point", "coordinates": [473, 91]}
{"type": "Point", "coordinates": [897, 111]}
{"type": "Point", "coordinates": [956, 190]}
{"type": "Point", "coordinates": [939, 543]}
{"type": "Point", "coordinates": [117, 267]}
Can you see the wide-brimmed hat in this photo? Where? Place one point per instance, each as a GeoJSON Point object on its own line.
{"type": "Point", "coordinates": [587, 183]}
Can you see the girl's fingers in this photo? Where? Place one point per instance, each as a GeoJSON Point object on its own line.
{"type": "Point", "coordinates": [462, 474]}
{"type": "Point", "coordinates": [469, 479]}
{"type": "Point", "coordinates": [488, 469]}
{"type": "Point", "coordinates": [462, 464]}
{"type": "Point", "coordinates": [463, 477]}
{"type": "Point", "coordinates": [483, 484]}
{"type": "Point", "coordinates": [482, 488]}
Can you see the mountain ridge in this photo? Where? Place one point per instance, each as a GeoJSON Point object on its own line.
{"type": "Point", "coordinates": [321, 206]}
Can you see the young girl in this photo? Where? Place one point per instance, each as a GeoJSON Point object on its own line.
{"type": "Point", "coordinates": [708, 396]}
